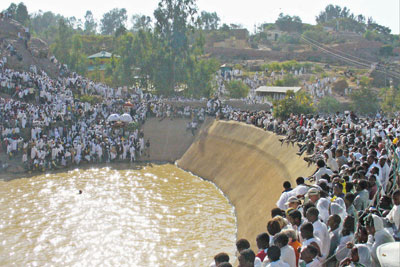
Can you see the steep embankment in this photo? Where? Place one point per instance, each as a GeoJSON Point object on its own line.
{"type": "Point", "coordinates": [169, 139]}
{"type": "Point", "coordinates": [249, 165]}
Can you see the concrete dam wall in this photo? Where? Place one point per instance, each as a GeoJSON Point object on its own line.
{"type": "Point", "coordinates": [249, 165]}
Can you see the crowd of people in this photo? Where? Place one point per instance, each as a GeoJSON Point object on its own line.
{"type": "Point", "coordinates": [346, 209]}
{"type": "Point", "coordinates": [46, 125]}
{"type": "Point", "coordinates": [338, 216]}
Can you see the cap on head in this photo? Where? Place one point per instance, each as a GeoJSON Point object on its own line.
{"type": "Point", "coordinates": [292, 199]}
{"type": "Point", "coordinates": [313, 192]}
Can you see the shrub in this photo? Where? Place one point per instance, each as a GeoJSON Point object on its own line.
{"type": "Point", "coordinates": [299, 103]}
{"type": "Point", "coordinates": [329, 105]}
{"type": "Point", "coordinates": [237, 89]}
{"type": "Point", "coordinates": [339, 86]}
{"type": "Point", "coordinates": [288, 80]}
{"type": "Point", "coordinates": [92, 99]}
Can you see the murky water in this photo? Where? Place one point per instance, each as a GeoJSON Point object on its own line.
{"type": "Point", "coordinates": [156, 216]}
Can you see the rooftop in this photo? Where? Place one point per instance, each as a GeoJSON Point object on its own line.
{"type": "Point", "coordinates": [102, 54]}
{"type": "Point", "coordinates": [276, 89]}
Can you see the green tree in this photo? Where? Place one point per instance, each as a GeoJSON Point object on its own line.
{"type": "Point", "coordinates": [113, 20]}
{"type": "Point", "coordinates": [12, 9]}
{"type": "Point", "coordinates": [208, 20]}
{"type": "Point", "coordinates": [293, 103]}
{"type": "Point", "coordinates": [340, 86]}
{"type": "Point", "coordinates": [288, 80]}
{"type": "Point", "coordinates": [140, 22]}
{"type": "Point", "coordinates": [332, 12]}
{"type": "Point", "coordinates": [77, 60]}
{"type": "Point", "coordinates": [386, 50]}
{"type": "Point", "coordinates": [174, 22]}
{"type": "Point", "coordinates": [390, 99]}
{"type": "Point", "coordinates": [288, 23]}
{"type": "Point", "coordinates": [61, 47]}
{"type": "Point", "coordinates": [201, 76]}
{"type": "Point", "coordinates": [237, 89]}
{"type": "Point", "coordinates": [123, 74]}
{"type": "Point", "coordinates": [21, 14]}
{"type": "Point", "coordinates": [329, 105]}
{"type": "Point", "coordinates": [45, 25]}
{"type": "Point", "coordinates": [90, 24]}
{"type": "Point", "coordinates": [365, 100]}
{"type": "Point", "coordinates": [318, 34]}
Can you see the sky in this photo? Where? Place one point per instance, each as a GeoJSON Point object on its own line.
{"type": "Point", "coordinates": [247, 13]}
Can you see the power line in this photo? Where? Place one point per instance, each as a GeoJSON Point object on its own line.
{"type": "Point", "coordinates": [348, 55]}
{"type": "Point", "coordinates": [355, 62]}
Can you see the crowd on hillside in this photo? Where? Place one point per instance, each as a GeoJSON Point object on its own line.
{"type": "Point", "coordinates": [342, 213]}
{"type": "Point", "coordinates": [46, 125]}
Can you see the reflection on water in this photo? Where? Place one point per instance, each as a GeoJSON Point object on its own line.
{"type": "Point", "coordinates": [156, 216]}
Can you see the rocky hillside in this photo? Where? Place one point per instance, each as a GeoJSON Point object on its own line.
{"type": "Point", "coordinates": [28, 51]}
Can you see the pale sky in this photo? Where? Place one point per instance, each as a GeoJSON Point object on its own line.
{"type": "Point", "coordinates": [247, 12]}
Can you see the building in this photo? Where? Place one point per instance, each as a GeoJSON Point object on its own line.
{"type": "Point", "coordinates": [273, 35]}
{"type": "Point", "coordinates": [100, 60]}
{"type": "Point", "coordinates": [275, 92]}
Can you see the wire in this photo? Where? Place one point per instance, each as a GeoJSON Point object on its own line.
{"type": "Point", "coordinates": [355, 62]}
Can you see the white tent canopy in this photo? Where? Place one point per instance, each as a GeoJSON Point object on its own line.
{"type": "Point", "coordinates": [113, 117]}
{"type": "Point", "coordinates": [125, 118]}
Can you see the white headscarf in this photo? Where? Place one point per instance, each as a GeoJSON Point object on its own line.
{"type": "Point", "coordinates": [364, 255]}
{"type": "Point", "coordinates": [336, 208]}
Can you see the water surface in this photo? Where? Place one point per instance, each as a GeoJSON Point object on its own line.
{"type": "Point", "coordinates": [155, 216]}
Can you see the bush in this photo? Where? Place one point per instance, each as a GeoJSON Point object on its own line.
{"type": "Point", "coordinates": [288, 80]}
{"type": "Point", "coordinates": [386, 50]}
{"type": "Point", "coordinates": [299, 103]}
{"type": "Point", "coordinates": [237, 89]}
{"type": "Point", "coordinates": [318, 69]}
{"type": "Point", "coordinates": [365, 101]}
{"type": "Point", "coordinates": [319, 35]}
{"type": "Point", "coordinates": [329, 105]}
{"type": "Point", "coordinates": [288, 39]}
{"type": "Point", "coordinates": [92, 99]}
{"type": "Point", "coordinates": [339, 86]}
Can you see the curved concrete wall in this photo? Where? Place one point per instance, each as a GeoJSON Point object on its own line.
{"type": "Point", "coordinates": [249, 165]}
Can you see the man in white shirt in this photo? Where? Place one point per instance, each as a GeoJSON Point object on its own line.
{"type": "Point", "coordinates": [385, 171]}
{"type": "Point", "coordinates": [320, 230]}
{"type": "Point", "coordinates": [287, 252]}
{"type": "Point", "coordinates": [273, 258]}
{"type": "Point", "coordinates": [322, 170]}
{"type": "Point", "coordinates": [309, 256]}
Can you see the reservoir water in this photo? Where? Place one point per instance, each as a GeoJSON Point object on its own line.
{"type": "Point", "coordinates": [153, 216]}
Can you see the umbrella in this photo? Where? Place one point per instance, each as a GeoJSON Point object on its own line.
{"type": "Point", "coordinates": [128, 104]}
{"type": "Point", "coordinates": [125, 118]}
{"type": "Point", "coordinates": [113, 117]}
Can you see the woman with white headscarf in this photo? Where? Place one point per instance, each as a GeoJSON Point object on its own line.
{"type": "Point", "coordinates": [377, 235]}
{"type": "Point", "coordinates": [330, 161]}
{"type": "Point", "coordinates": [347, 233]}
{"type": "Point", "coordinates": [337, 208]}
{"type": "Point", "coordinates": [360, 256]}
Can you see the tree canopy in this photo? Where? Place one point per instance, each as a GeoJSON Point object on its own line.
{"type": "Point", "coordinates": [288, 23]}
{"type": "Point", "coordinates": [112, 20]}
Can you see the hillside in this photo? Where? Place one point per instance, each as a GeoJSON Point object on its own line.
{"type": "Point", "coordinates": [27, 52]}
